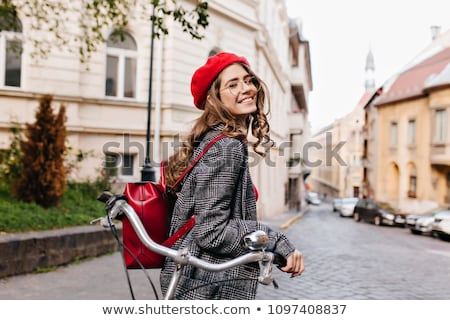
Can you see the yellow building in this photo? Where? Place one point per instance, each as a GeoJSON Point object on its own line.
{"type": "Point", "coordinates": [411, 159]}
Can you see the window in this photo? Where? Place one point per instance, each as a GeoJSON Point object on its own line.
{"type": "Point", "coordinates": [440, 127]}
{"type": "Point", "coordinates": [11, 55]}
{"type": "Point", "coordinates": [119, 165]}
{"type": "Point", "coordinates": [411, 132]}
{"type": "Point", "coordinates": [412, 183]}
{"type": "Point", "coordinates": [394, 134]}
{"type": "Point", "coordinates": [412, 186]}
{"type": "Point", "coordinates": [127, 165]}
{"type": "Point", "coordinates": [121, 67]}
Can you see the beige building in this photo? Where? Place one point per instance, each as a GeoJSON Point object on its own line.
{"type": "Point", "coordinates": [408, 165]}
{"type": "Point", "coordinates": [107, 103]}
{"type": "Point", "coordinates": [336, 160]}
{"type": "Point", "coordinates": [336, 152]}
{"type": "Point", "coordinates": [324, 177]}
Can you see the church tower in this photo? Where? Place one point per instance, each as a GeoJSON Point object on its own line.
{"type": "Point", "coordinates": [370, 73]}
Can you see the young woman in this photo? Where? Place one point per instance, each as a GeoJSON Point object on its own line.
{"type": "Point", "coordinates": [219, 189]}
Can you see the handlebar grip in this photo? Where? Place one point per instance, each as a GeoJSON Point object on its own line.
{"type": "Point", "coordinates": [279, 260]}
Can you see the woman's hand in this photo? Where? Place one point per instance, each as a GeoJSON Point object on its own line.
{"type": "Point", "coordinates": [294, 264]}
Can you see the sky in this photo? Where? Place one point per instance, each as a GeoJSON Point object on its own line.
{"type": "Point", "coordinates": [340, 35]}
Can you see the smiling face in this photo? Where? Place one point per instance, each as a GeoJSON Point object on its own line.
{"type": "Point", "coordinates": [237, 90]}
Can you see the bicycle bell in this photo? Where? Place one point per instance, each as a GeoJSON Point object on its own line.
{"type": "Point", "coordinates": [257, 240]}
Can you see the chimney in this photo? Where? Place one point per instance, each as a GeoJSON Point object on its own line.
{"type": "Point", "coordinates": [435, 31]}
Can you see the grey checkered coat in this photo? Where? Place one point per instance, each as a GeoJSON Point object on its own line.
{"type": "Point", "coordinates": [219, 192]}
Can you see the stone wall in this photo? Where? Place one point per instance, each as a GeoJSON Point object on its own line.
{"type": "Point", "coordinates": [27, 252]}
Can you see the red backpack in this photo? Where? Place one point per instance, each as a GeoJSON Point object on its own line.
{"type": "Point", "coordinates": [153, 203]}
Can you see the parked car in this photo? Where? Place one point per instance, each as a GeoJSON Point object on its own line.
{"type": "Point", "coordinates": [422, 223]}
{"type": "Point", "coordinates": [441, 225]}
{"type": "Point", "coordinates": [336, 204]}
{"type": "Point", "coordinates": [347, 207]}
{"type": "Point", "coordinates": [312, 198]}
{"type": "Point", "coordinates": [378, 213]}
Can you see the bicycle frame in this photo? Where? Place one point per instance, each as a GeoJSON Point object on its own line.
{"type": "Point", "coordinates": [256, 242]}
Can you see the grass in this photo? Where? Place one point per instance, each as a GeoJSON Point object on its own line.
{"type": "Point", "coordinates": [78, 206]}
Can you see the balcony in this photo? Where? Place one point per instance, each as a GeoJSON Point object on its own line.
{"type": "Point", "coordinates": [440, 154]}
{"type": "Point", "coordinates": [301, 85]}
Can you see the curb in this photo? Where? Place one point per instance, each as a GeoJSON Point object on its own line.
{"type": "Point", "coordinates": [295, 218]}
{"type": "Point", "coordinates": [23, 253]}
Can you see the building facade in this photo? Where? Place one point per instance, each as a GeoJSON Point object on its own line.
{"type": "Point", "coordinates": [336, 159]}
{"type": "Point", "coordinates": [107, 103]}
{"type": "Point", "coordinates": [408, 164]}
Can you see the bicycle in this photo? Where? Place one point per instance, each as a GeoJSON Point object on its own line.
{"type": "Point", "coordinates": [256, 243]}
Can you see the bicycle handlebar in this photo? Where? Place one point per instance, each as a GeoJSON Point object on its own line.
{"type": "Point", "coordinates": [182, 257]}
{"type": "Point", "coordinates": [117, 205]}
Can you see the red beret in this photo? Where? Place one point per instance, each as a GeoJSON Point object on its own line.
{"type": "Point", "coordinates": [205, 75]}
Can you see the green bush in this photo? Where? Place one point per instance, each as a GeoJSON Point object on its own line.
{"type": "Point", "coordinates": [34, 191]}
{"type": "Point", "coordinates": [78, 206]}
{"type": "Point", "coordinates": [11, 159]}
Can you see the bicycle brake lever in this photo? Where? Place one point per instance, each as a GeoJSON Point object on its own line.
{"type": "Point", "coordinates": [265, 267]}
{"type": "Point", "coordinates": [101, 221]}
{"type": "Point", "coordinates": [95, 221]}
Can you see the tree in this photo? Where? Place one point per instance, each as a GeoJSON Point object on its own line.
{"type": "Point", "coordinates": [56, 17]}
{"type": "Point", "coordinates": [43, 178]}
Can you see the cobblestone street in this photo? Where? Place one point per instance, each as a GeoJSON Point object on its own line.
{"type": "Point", "coordinates": [343, 260]}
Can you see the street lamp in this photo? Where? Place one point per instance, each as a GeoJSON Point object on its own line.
{"type": "Point", "coordinates": [148, 173]}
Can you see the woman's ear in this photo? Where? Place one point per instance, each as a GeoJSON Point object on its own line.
{"type": "Point", "coordinates": [208, 98]}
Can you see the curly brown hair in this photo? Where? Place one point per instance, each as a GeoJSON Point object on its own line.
{"type": "Point", "coordinates": [215, 113]}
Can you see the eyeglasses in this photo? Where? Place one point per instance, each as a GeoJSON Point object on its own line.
{"type": "Point", "coordinates": [236, 86]}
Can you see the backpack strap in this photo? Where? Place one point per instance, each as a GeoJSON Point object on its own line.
{"type": "Point", "coordinates": [191, 222]}
{"type": "Point", "coordinates": [180, 232]}
{"type": "Point", "coordinates": [163, 164]}
{"type": "Point", "coordinates": [197, 159]}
